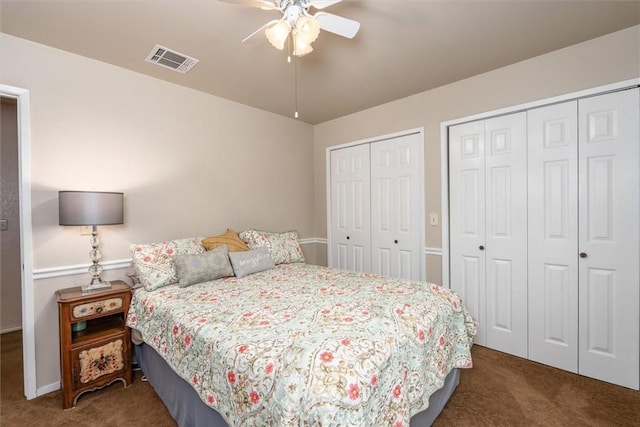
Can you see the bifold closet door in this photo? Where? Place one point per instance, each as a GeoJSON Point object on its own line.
{"type": "Point", "coordinates": [609, 237]}
{"type": "Point", "coordinates": [488, 227]}
{"type": "Point", "coordinates": [553, 235]}
{"type": "Point", "coordinates": [396, 213]}
{"type": "Point", "coordinates": [506, 233]}
{"type": "Point", "coordinates": [467, 220]}
{"type": "Point", "coordinates": [350, 208]}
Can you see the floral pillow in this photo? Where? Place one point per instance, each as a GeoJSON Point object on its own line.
{"type": "Point", "coordinates": [283, 247]}
{"type": "Point", "coordinates": [153, 262]}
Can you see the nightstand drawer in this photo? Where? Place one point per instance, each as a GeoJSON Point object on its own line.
{"type": "Point", "coordinates": [96, 307]}
{"type": "Point", "coordinates": [94, 362]}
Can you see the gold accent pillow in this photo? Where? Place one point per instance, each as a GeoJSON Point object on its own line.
{"type": "Point", "coordinates": [230, 238]}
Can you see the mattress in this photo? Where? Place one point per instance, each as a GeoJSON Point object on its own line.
{"type": "Point", "coordinates": [303, 344]}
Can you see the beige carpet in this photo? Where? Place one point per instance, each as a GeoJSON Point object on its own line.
{"type": "Point", "coordinates": [500, 390]}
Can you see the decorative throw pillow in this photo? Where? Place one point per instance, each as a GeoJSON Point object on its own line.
{"type": "Point", "coordinates": [153, 262]}
{"type": "Point", "coordinates": [283, 247]}
{"type": "Point", "coordinates": [198, 268]}
{"type": "Point", "coordinates": [230, 238]}
{"type": "Point", "coordinates": [250, 262]}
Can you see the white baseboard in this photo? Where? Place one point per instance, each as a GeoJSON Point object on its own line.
{"type": "Point", "coordinates": [7, 330]}
{"type": "Point", "coordinates": [41, 391]}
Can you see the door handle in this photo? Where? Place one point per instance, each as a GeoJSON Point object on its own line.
{"type": "Point", "coordinates": [583, 255]}
{"type": "Point", "coordinates": [395, 241]}
{"type": "Point", "coordinates": [481, 248]}
{"type": "Point", "coordinates": [348, 237]}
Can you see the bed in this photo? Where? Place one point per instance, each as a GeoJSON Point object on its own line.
{"type": "Point", "coordinates": [298, 344]}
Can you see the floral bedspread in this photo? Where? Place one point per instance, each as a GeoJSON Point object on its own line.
{"type": "Point", "coordinates": [307, 345]}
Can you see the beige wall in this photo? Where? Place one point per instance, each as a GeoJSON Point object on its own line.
{"type": "Point", "coordinates": [193, 164]}
{"type": "Point", "coordinates": [189, 164]}
{"type": "Point", "coordinates": [10, 279]}
{"type": "Point", "coordinates": [612, 58]}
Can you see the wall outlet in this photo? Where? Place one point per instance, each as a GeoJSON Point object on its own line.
{"type": "Point", "coordinates": [86, 230]}
{"type": "Point", "coordinates": [433, 218]}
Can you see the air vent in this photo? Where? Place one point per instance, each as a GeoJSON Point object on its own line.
{"type": "Point", "coordinates": [171, 59]}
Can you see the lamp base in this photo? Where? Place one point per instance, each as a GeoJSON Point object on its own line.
{"type": "Point", "coordinates": [95, 287]}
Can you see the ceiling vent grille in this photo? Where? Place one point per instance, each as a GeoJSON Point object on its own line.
{"type": "Point", "coordinates": [171, 59]}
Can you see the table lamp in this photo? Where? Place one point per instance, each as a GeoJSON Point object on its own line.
{"type": "Point", "coordinates": [91, 208]}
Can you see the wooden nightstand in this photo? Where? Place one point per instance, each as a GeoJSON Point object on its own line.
{"type": "Point", "coordinates": [95, 343]}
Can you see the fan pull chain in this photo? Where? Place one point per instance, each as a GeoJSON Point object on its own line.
{"type": "Point", "coordinates": [295, 74]}
{"type": "Point", "coordinates": [295, 83]}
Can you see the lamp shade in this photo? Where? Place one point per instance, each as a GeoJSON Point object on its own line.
{"type": "Point", "coordinates": [90, 208]}
{"type": "Point", "coordinates": [277, 34]}
{"type": "Point", "coordinates": [308, 28]}
{"type": "Point", "coordinates": [301, 47]}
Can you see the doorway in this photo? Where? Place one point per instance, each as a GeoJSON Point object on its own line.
{"type": "Point", "coordinates": [20, 98]}
{"type": "Point", "coordinates": [10, 271]}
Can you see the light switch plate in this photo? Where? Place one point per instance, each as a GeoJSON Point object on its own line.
{"type": "Point", "coordinates": [4, 224]}
{"type": "Point", "coordinates": [433, 218]}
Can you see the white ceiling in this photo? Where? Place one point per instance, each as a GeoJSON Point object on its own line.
{"type": "Point", "coordinates": [403, 47]}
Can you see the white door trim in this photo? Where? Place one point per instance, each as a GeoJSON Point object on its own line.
{"type": "Point", "coordinates": [444, 151]}
{"type": "Point", "coordinates": [26, 237]}
{"type": "Point", "coordinates": [328, 150]}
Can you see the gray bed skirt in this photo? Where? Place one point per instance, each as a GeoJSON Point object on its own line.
{"type": "Point", "coordinates": [188, 410]}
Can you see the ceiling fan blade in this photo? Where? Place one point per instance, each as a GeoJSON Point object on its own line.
{"type": "Point", "coordinates": [262, 4]}
{"type": "Point", "coordinates": [321, 4]}
{"type": "Point", "coordinates": [268, 24]}
{"type": "Point", "coordinates": [337, 24]}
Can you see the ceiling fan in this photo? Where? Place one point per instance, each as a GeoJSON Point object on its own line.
{"type": "Point", "coordinates": [299, 23]}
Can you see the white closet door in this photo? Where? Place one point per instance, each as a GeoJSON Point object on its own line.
{"type": "Point", "coordinates": [609, 139]}
{"type": "Point", "coordinates": [506, 233]}
{"type": "Point", "coordinates": [553, 235]}
{"type": "Point", "coordinates": [350, 209]}
{"type": "Point", "coordinates": [396, 207]}
{"type": "Point", "coordinates": [467, 219]}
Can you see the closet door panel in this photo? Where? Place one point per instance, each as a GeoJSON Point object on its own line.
{"type": "Point", "coordinates": [396, 214]}
{"type": "Point", "coordinates": [350, 206]}
{"type": "Point", "coordinates": [467, 219]}
{"type": "Point", "coordinates": [609, 235]}
{"type": "Point", "coordinates": [553, 235]}
{"type": "Point", "coordinates": [506, 233]}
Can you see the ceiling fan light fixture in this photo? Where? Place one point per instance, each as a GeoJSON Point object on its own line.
{"type": "Point", "coordinates": [299, 24]}
{"type": "Point", "coordinates": [277, 34]}
{"type": "Point", "coordinates": [308, 28]}
{"type": "Point", "coordinates": [301, 46]}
